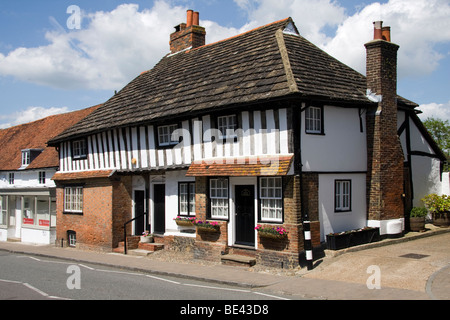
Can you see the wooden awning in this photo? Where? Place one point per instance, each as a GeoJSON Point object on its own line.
{"type": "Point", "coordinates": [242, 167]}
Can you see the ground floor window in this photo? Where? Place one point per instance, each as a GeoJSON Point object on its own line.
{"type": "Point", "coordinates": [342, 198]}
{"type": "Point", "coordinates": [73, 200]}
{"type": "Point", "coordinates": [271, 198]}
{"type": "Point", "coordinates": [186, 197]}
{"type": "Point", "coordinates": [3, 210]}
{"type": "Point", "coordinates": [218, 193]}
{"type": "Point", "coordinates": [72, 238]}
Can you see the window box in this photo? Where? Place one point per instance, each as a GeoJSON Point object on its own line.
{"type": "Point", "coordinates": [277, 233]}
{"type": "Point", "coordinates": [206, 226]}
{"type": "Point", "coordinates": [346, 239]}
{"type": "Point", "coordinates": [184, 221]}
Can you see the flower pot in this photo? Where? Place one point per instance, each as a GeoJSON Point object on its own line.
{"type": "Point", "coordinates": [146, 239]}
{"type": "Point", "coordinates": [441, 219]}
{"type": "Point", "coordinates": [417, 224]}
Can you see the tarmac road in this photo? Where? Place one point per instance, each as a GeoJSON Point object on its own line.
{"type": "Point", "coordinates": [415, 267]}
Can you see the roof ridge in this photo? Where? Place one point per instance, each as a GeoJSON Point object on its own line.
{"type": "Point", "coordinates": [292, 84]}
{"type": "Point", "coordinates": [240, 34]}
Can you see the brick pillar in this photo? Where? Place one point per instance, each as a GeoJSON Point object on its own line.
{"type": "Point", "coordinates": [385, 155]}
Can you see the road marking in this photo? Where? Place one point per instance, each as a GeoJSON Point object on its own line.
{"type": "Point", "coordinates": [162, 279]}
{"type": "Point", "coordinates": [42, 293]}
{"type": "Point", "coordinates": [138, 274]}
{"type": "Point", "coordinates": [270, 296]}
{"type": "Point", "coordinates": [216, 288]}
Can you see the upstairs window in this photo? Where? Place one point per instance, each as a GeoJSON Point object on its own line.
{"type": "Point", "coordinates": [11, 178]}
{"type": "Point", "coordinates": [314, 120]}
{"type": "Point", "coordinates": [79, 149]}
{"type": "Point", "coordinates": [227, 126]}
{"type": "Point", "coordinates": [42, 177]}
{"type": "Point", "coordinates": [166, 136]}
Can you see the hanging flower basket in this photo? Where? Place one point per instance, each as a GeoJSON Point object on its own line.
{"type": "Point", "coordinates": [276, 233]}
{"type": "Point", "coordinates": [206, 226]}
{"type": "Point", "coordinates": [184, 222]}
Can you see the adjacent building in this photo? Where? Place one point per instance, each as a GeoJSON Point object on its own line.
{"type": "Point", "coordinates": [27, 165]}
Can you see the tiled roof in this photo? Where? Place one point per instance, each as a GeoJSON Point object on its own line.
{"type": "Point", "coordinates": [34, 135]}
{"type": "Point", "coordinates": [256, 66]}
{"type": "Point", "coordinates": [242, 167]}
{"type": "Point", "coordinates": [82, 175]}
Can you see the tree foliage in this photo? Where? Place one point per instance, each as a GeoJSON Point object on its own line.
{"type": "Point", "coordinates": [440, 131]}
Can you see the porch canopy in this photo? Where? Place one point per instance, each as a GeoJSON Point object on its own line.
{"type": "Point", "coordinates": [242, 166]}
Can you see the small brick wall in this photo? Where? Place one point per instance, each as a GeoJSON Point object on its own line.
{"type": "Point", "coordinates": [106, 206]}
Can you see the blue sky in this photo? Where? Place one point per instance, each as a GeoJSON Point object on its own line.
{"type": "Point", "coordinates": [48, 67]}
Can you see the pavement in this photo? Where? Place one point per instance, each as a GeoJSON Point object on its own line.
{"type": "Point", "coordinates": [414, 267]}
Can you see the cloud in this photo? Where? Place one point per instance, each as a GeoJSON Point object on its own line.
{"type": "Point", "coordinates": [109, 50]}
{"type": "Point", "coordinates": [113, 47]}
{"type": "Point", "coordinates": [435, 110]}
{"type": "Point", "coordinates": [417, 26]}
{"type": "Point", "coordinates": [29, 115]}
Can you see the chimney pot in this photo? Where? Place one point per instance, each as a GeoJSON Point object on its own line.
{"type": "Point", "coordinates": [386, 33]}
{"type": "Point", "coordinates": [196, 19]}
{"type": "Point", "coordinates": [377, 30]}
{"type": "Point", "coordinates": [190, 16]}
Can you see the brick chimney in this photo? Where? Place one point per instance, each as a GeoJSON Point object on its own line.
{"type": "Point", "coordinates": [385, 167]}
{"type": "Point", "coordinates": [188, 35]}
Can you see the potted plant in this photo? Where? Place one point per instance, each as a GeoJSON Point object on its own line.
{"type": "Point", "coordinates": [417, 219]}
{"type": "Point", "coordinates": [146, 237]}
{"type": "Point", "coordinates": [206, 226]}
{"type": "Point", "coordinates": [271, 232]}
{"type": "Point", "coordinates": [439, 207]}
{"type": "Point", "coordinates": [185, 221]}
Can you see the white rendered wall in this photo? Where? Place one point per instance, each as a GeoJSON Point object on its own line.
{"type": "Point", "coordinates": [331, 221]}
{"type": "Point", "coordinates": [343, 146]}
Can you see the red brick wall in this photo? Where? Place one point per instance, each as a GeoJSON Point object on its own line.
{"type": "Point", "coordinates": [106, 205]}
{"type": "Point", "coordinates": [270, 252]}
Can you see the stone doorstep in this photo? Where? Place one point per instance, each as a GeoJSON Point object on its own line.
{"type": "Point", "coordinates": [238, 260]}
{"type": "Point", "coordinates": [152, 247]}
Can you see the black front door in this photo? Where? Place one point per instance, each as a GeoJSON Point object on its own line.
{"type": "Point", "coordinates": [245, 215]}
{"type": "Point", "coordinates": [139, 211]}
{"type": "Point", "coordinates": [159, 207]}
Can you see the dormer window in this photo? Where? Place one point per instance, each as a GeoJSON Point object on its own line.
{"type": "Point", "coordinates": [26, 157]}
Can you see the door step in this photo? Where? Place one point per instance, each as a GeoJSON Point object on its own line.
{"type": "Point", "coordinates": [238, 260]}
{"type": "Point", "coordinates": [139, 252]}
{"type": "Point", "coordinates": [139, 248]}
